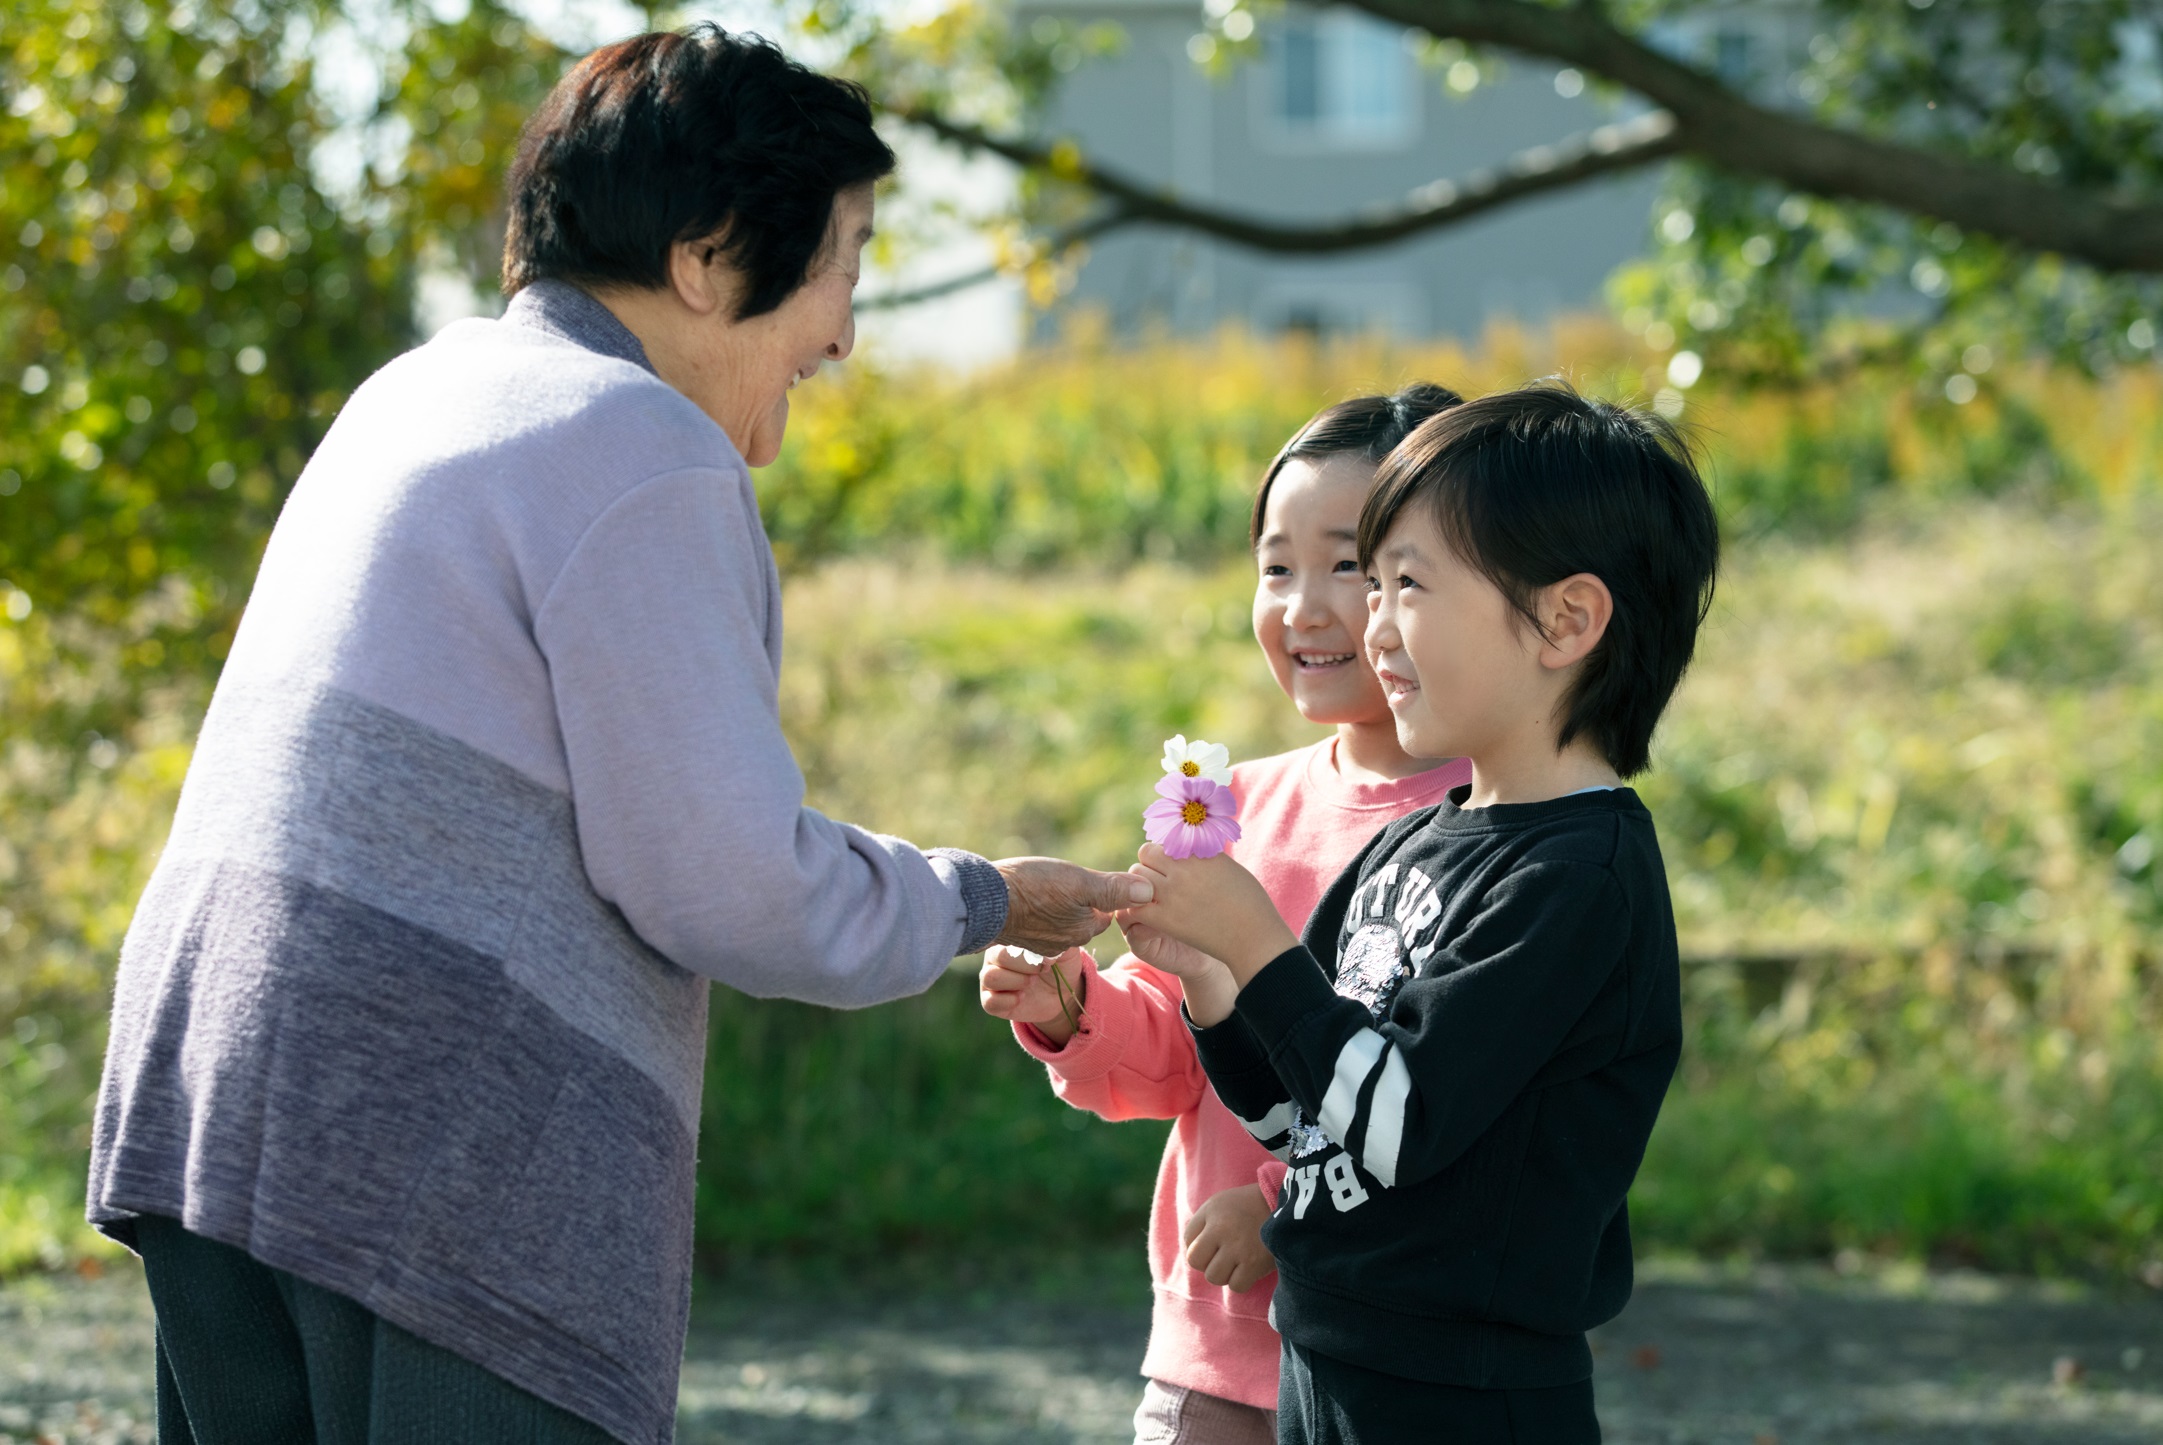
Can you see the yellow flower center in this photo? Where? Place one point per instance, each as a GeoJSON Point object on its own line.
{"type": "Point", "coordinates": [1191, 768]}
{"type": "Point", "coordinates": [1193, 814]}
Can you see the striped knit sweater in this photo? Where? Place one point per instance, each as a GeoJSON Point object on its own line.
{"type": "Point", "coordinates": [493, 783]}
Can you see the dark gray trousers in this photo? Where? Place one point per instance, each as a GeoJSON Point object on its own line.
{"type": "Point", "coordinates": [249, 1355]}
{"type": "Point", "coordinates": [1321, 1401]}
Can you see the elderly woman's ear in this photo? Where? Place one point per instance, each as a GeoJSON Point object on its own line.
{"type": "Point", "coordinates": [702, 279]}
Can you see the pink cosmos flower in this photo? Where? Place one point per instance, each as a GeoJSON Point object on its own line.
{"type": "Point", "coordinates": [1192, 817]}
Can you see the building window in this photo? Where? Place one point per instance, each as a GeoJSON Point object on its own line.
{"type": "Point", "coordinates": [1732, 60]}
{"type": "Point", "coordinates": [1338, 80]}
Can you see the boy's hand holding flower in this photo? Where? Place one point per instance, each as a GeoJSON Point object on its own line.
{"type": "Point", "coordinates": [1213, 906]}
{"type": "Point", "coordinates": [1189, 827]}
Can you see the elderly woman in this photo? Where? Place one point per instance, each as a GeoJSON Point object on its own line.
{"type": "Point", "coordinates": [402, 1096]}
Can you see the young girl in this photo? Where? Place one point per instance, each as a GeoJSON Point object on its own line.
{"type": "Point", "coordinates": [1212, 1358]}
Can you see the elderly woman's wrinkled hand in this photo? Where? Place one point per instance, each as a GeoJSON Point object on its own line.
{"type": "Point", "coordinates": [1053, 905]}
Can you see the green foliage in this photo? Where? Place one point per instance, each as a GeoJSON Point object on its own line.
{"type": "Point", "coordinates": [86, 814]}
{"type": "Point", "coordinates": [461, 92]}
{"type": "Point", "coordinates": [919, 1126]}
{"type": "Point", "coordinates": [1851, 1111]}
{"type": "Point", "coordinates": [1919, 895]}
{"type": "Point", "coordinates": [1089, 454]}
{"type": "Point", "coordinates": [1912, 789]}
{"type": "Point", "coordinates": [185, 303]}
{"type": "Point", "coordinates": [1769, 283]}
{"type": "Point", "coordinates": [184, 310]}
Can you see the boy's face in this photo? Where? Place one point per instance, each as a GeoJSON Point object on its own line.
{"type": "Point", "coordinates": [1460, 666]}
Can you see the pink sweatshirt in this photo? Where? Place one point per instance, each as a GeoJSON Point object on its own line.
{"type": "Point", "coordinates": [1134, 1059]}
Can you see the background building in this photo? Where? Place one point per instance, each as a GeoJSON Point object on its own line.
{"type": "Point", "coordinates": [1338, 113]}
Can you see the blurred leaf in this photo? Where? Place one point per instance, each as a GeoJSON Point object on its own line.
{"type": "Point", "coordinates": [1770, 284]}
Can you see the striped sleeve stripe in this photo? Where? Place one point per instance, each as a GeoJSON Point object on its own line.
{"type": "Point", "coordinates": [1354, 1063]}
{"type": "Point", "coordinates": [1271, 1124]}
{"type": "Point", "coordinates": [1385, 1119]}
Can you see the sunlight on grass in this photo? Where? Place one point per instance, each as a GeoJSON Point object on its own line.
{"type": "Point", "coordinates": [1911, 797]}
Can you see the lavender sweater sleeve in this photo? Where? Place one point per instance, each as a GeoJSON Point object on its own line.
{"type": "Point", "coordinates": [660, 632]}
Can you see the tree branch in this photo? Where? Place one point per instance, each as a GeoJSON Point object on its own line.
{"type": "Point", "coordinates": [1605, 151]}
{"type": "Point", "coordinates": [1716, 124]}
{"type": "Point", "coordinates": [1058, 243]}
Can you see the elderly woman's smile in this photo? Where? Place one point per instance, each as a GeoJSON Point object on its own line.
{"type": "Point", "coordinates": [740, 368]}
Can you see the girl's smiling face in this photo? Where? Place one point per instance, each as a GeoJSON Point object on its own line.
{"type": "Point", "coordinates": [1310, 601]}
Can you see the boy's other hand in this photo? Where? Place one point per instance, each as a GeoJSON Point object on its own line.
{"type": "Point", "coordinates": [1214, 906]}
{"type": "Point", "coordinates": [1017, 986]}
{"type": "Point", "coordinates": [1052, 905]}
{"type": "Point", "coordinates": [1224, 1238]}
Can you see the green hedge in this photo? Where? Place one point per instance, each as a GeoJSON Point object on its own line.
{"type": "Point", "coordinates": [916, 1126]}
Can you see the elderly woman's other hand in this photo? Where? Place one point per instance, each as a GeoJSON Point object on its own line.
{"type": "Point", "coordinates": [1053, 905]}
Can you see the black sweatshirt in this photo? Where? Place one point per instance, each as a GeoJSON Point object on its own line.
{"type": "Point", "coordinates": [1464, 1110]}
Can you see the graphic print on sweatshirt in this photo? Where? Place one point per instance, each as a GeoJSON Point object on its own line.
{"type": "Point", "coordinates": [1381, 945]}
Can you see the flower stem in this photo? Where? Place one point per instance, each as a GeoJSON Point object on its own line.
{"type": "Point", "coordinates": [1069, 1000]}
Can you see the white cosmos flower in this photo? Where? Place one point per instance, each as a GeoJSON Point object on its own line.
{"type": "Point", "coordinates": [1198, 759]}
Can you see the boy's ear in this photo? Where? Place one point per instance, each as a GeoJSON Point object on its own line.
{"type": "Point", "coordinates": [1574, 614]}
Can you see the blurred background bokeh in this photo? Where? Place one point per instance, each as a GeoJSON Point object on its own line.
{"type": "Point", "coordinates": [1911, 795]}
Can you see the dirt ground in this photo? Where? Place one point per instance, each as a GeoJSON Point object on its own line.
{"type": "Point", "coordinates": [1789, 1356]}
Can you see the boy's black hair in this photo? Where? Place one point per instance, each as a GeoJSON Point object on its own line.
{"type": "Point", "coordinates": [681, 136]}
{"type": "Point", "coordinates": [1365, 426]}
{"type": "Point", "coordinates": [1535, 485]}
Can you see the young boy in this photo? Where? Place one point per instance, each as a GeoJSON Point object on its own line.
{"type": "Point", "coordinates": [1464, 1097]}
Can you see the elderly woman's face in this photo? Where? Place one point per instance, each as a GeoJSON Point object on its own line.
{"type": "Point", "coordinates": [740, 373]}
{"type": "Point", "coordinates": [815, 325]}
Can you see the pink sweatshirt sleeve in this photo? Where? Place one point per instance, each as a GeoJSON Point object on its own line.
{"type": "Point", "coordinates": [1132, 1058]}
{"type": "Point", "coordinates": [1271, 1177]}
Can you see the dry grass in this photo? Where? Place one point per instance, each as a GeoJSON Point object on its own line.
{"type": "Point", "coordinates": [1912, 796]}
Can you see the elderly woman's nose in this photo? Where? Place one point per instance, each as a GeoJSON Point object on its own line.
{"type": "Point", "coordinates": [839, 348]}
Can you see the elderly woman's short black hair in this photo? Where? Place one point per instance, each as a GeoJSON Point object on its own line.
{"type": "Point", "coordinates": [679, 136]}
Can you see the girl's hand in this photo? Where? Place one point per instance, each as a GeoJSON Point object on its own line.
{"type": "Point", "coordinates": [1018, 987]}
{"type": "Point", "coordinates": [1224, 1238]}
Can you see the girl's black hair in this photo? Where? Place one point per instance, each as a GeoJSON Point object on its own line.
{"type": "Point", "coordinates": [1365, 426]}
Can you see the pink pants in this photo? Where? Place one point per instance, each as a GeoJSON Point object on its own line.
{"type": "Point", "coordinates": [1176, 1415]}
